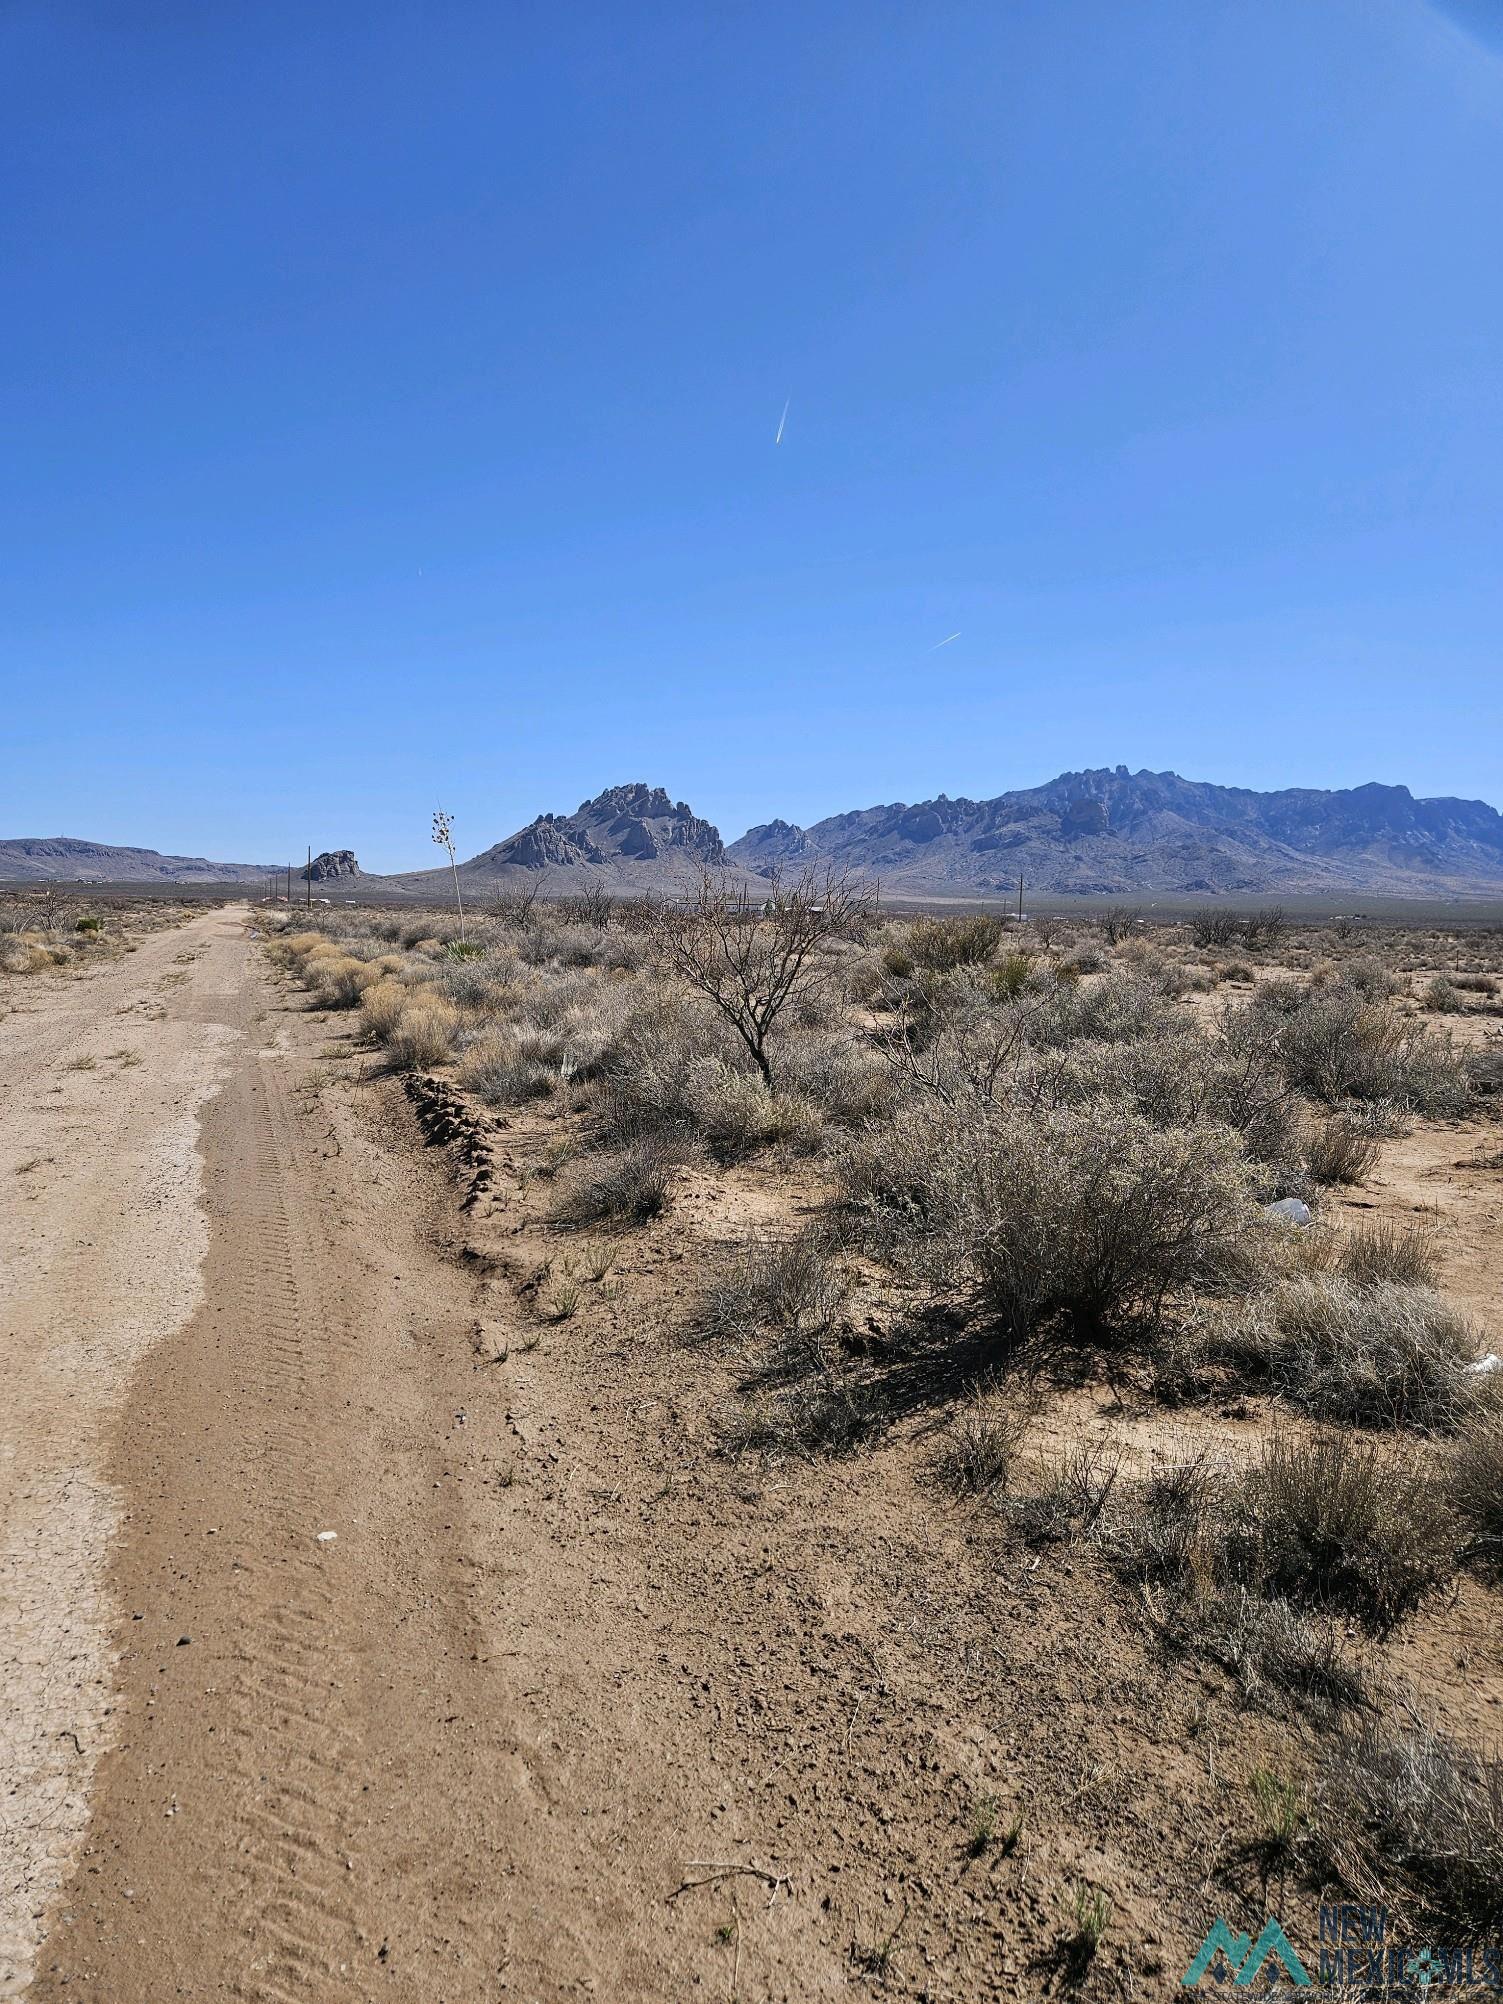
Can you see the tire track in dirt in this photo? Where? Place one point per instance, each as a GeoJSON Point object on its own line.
{"type": "Point", "coordinates": [103, 1239]}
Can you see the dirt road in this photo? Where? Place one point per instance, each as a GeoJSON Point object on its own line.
{"type": "Point", "coordinates": [437, 1755]}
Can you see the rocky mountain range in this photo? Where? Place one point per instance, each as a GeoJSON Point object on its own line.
{"type": "Point", "coordinates": [1111, 831]}
{"type": "Point", "coordinates": [1107, 832]}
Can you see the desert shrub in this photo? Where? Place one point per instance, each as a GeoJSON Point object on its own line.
{"type": "Point", "coordinates": [1402, 1801]}
{"type": "Point", "coordinates": [1338, 1151]}
{"type": "Point", "coordinates": [941, 944]}
{"type": "Point", "coordinates": [846, 1080]}
{"type": "Point", "coordinates": [1484, 1070]}
{"type": "Point", "coordinates": [674, 1070]}
{"type": "Point", "coordinates": [1091, 1213]}
{"type": "Point", "coordinates": [1332, 1523]}
{"type": "Point", "coordinates": [1376, 1356]}
{"type": "Point", "coordinates": [1474, 1481]}
{"type": "Point", "coordinates": [1117, 1010]}
{"type": "Point", "coordinates": [1209, 927]}
{"type": "Point", "coordinates": [1010, 976]}
{"type": "Point", "coordinates": [629, 1188]}
{"type": "Point", "coordinates": [88, 925]}
{"type": "Point", "coordinates": [496, 1070]}
{"type": "Point", "coordinates": [1404, 1254]}
{"type": "Point", "coordinates": [424, 1032]}
{"type": "Point", "coordinates": [980, 1451]}
{"type": "Point", "coordinates": [1370, 978]}
{"type": "Point", "coordinates": [1238, 971]}
{"type": "Point", "coordinates": [1086, 960]}
{"type": "Point", "coordinates": [1333, 1046]}
{"type": "Point", "coordinates": [1187, 1079]}
{"type": "Point", "coordinates": [1440, 996]}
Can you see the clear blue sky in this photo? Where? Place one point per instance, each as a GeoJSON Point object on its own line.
{"type": "Point", "coordinates": [389, 396]}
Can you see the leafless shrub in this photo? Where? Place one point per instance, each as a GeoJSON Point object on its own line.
{"type": "Point", "coordinates": [1121, 922]}
{"type": "Point", "coordinates": [1209, 927]}
{"type": "Point", "coordinates": [751, 959]}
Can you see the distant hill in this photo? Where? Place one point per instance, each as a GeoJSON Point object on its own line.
{"type": "Point", "coordinates": [628, 838]}
{"type": "Point", "coordinates": [65, 859]}
{"type": "Point", "coordinates": [1109, 832]}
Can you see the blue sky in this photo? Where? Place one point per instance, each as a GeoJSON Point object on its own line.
{"type": "Point", "coordinates": [389, 394]}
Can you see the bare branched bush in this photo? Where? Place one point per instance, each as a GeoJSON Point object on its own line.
{"type": "Point", "coordinates": [752, 956]}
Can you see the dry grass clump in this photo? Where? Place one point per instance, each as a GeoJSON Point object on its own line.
{"type": "Point", "coordinates": [1474, 1479]}
{"type": "Point", "coordinates": [1402, 1254]}
{"type": "Point", "coordinates": [1088, 1213]}
{"type": "Point", "coordinates": [1339, 1152]}
{"type": "Point", "coordinates": [980, 1453]}
{"type": "Point", "coordinates": [1402, 1802]}
{"type": "Point", "coordinates": [1376, 1355]}
{"type": "Point", "coordinates": [1330, 1525]}
{"type": "Point", "coordinates": [423, 1033]}
{"type": "Point", "coordinates": [793, 1288]}
{"type": "Point", "coordinates": [628, 1188]}
{"type": "Point", "coordinates": [381, 1007]}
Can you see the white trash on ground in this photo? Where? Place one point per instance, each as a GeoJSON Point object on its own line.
{"type": "Point", "coordinates": [1290, 1209]}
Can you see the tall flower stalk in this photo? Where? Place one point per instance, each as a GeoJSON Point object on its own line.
{"type": "Point", "coordinates": [443, 835]}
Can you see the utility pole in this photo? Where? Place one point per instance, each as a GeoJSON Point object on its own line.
{"type": "Point", "coordinates": [1020, 897]}
{"type": "Point", "coordinates": [308, 903]}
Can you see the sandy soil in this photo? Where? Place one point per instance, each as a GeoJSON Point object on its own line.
{"type": "Point", "coordinates": [572, 1704]}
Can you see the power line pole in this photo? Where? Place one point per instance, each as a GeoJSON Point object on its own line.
{"type": "Point", "coordinates": [308, 901]}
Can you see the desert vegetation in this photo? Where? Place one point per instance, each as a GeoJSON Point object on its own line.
{"type": "Point", "coordinates": [952, 1178]}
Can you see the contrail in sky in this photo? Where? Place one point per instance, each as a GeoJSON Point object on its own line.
{"type": "Point", "coordinates": [943, 643]}
{"type": "Point", "coordinates": [781, 422]}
